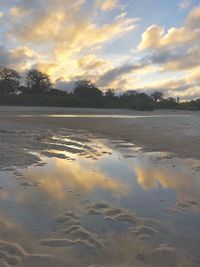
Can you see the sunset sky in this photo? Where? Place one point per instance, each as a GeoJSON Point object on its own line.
{"type": "Point", "coordinates": [146, 45]}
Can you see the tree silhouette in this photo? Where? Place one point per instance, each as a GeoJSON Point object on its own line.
{"type": "Point", "coordinates": [157, 96]}
{"type": "Point", "coordinates": [142, 101]}
{"type": "Point", "coordinates": [37, 91]}
{"type": "Point", "coordinates": [110, 93]}
{"type": "Point", "coordinates": [37, 81]}
{"type": "Point", "coordinates": [86, 88]}
{"type": "Point", "coordinates": [9, 81]}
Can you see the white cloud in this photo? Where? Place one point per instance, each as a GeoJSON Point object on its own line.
{"type": "Point", "coordinates": [156, 37]}
{"type": "Point", "coordinates": [185, 4]}
{"type": "Point", "coordinates": [107, 5]}
{"type": "Point", "coordinates": [66, 39]}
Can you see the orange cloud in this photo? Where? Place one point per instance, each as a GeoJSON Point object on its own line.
{"type": "Point", "coordinates": [91, 62]}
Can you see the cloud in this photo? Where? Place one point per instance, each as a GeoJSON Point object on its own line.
{"type": "Point", "coordinates": [193, 19]}
{"type": "Point", "coordinates": [65, 35]}
{"type": "Point", "coordinates": [155, 36]}
{"type": "Point", "coordinates": [65, 27]}
{"type": "Point", "coordinates": [17, 12]}
{"type": "Point", "coordinates": [69, 40]}
{"type": "Point", "coordinates": [63, 85]}
{"type": "Point", "coordinates": [87, 36]}
{"type": "Point", "coordinates": [62, 32]}
{"type": "Point", "coordinates": [91, 62]}
{"type": "Point", "coordinates": [4, 56]}
{"type": "Point", "coordinates": [187, 87]}
{"type": "Point", "coordinates": [121, 16]}
{"type": "Point", "coordinates": [184, 61]}
{"type": "Point", "coordinates": [185, 4]}
{"type": "Point", "coordinates": [51, 68]}
{"type": "Point", "coordinates": [175, 59]}
{"type": "Point", "coordinates": [115, 73]}
{"type": "Point", "coordinates": [121, 84]}
{"type": "Point", "coordinates": [194, 76]}
{"type": "Point", "coordinates": [107, 5]}
{"type": "Point", "coordinates": [177, 51]}
{"type": "Point", "coordinates": [191, 93]}
{"type": "Point", "coordinates": [19, 58]}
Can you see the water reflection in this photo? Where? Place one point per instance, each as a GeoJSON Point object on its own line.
{"type": "Point", "coordinates": [60, 177]}
{"type": "Point", "coordinates": [176, 176]}
{"type": "Point", "coordinates": [105, 116]}
{"type": "Point", "coordinates": [112, 205]}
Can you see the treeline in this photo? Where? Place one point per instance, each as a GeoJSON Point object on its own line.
{"type": "Point", "coordinates": [36, 90]}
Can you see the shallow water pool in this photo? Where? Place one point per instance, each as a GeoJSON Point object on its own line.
{"type": "Point", "coordinates": [99, 202]}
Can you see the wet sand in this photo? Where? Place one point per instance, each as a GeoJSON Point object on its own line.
{"type": "Point", "coordinates": [76, 192]}
{"type": "Point", "coordinates": [177, 132]}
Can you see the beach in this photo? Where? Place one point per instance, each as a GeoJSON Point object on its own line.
{"type": "Point", "coordinates": [99, 187]}
{"type": "Point", "coordinates": [171, 131]}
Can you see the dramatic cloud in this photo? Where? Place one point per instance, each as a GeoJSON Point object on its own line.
{"type": "Point", "coordinates": [177, 51]}
{"type": "Point", "coordinates": [61, 32]}
{"type": "Point", "coordinates": [66, 26]}
{"type": "Point", "coordinates": [176, 60]}
{"type": "Point", "coordinates": [99, 40]}
{"type": "Point", "coordinates": [114, 74]}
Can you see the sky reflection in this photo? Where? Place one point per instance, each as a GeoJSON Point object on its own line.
{"type": "Point", "coordinates": [111, 195]}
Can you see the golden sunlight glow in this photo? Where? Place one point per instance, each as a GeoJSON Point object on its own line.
{"type": "Point", "coordinates": [73, 40]}
{"type": "Point", "coordinates": [150, 177]}
{"type": "Point", "coordinates": [64, 175]}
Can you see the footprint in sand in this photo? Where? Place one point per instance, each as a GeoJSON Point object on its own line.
{"type": "Point", "coordinates": [12, 254]}
{"type": "Point", "coordinates": [187, 205]}
{"type": "Point", "coordinates": [110, 213]}
{"type": "Point", "coordinates": [141, 228]}
{"type": "Point", "coordinates": [30, 184]}
{"type": "Point", "coordinates": [75, 232]}
{"type": "Point", "coordinates": [165, 255]}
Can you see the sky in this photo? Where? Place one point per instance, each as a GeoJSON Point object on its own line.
{"type": "Point", "coordinates": [143, 45]}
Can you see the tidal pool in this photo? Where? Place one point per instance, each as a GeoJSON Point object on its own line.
{"type": "Point", "coordinates": [99, 202]}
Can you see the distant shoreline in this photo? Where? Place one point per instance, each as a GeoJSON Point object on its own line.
{"type": "Point", "coordinates": [96, 108]}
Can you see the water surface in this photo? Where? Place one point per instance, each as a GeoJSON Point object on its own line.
{"type": "Point", "coordinates": [105, 116]}
{"type": "Point", "coordinates": [98, 202]}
